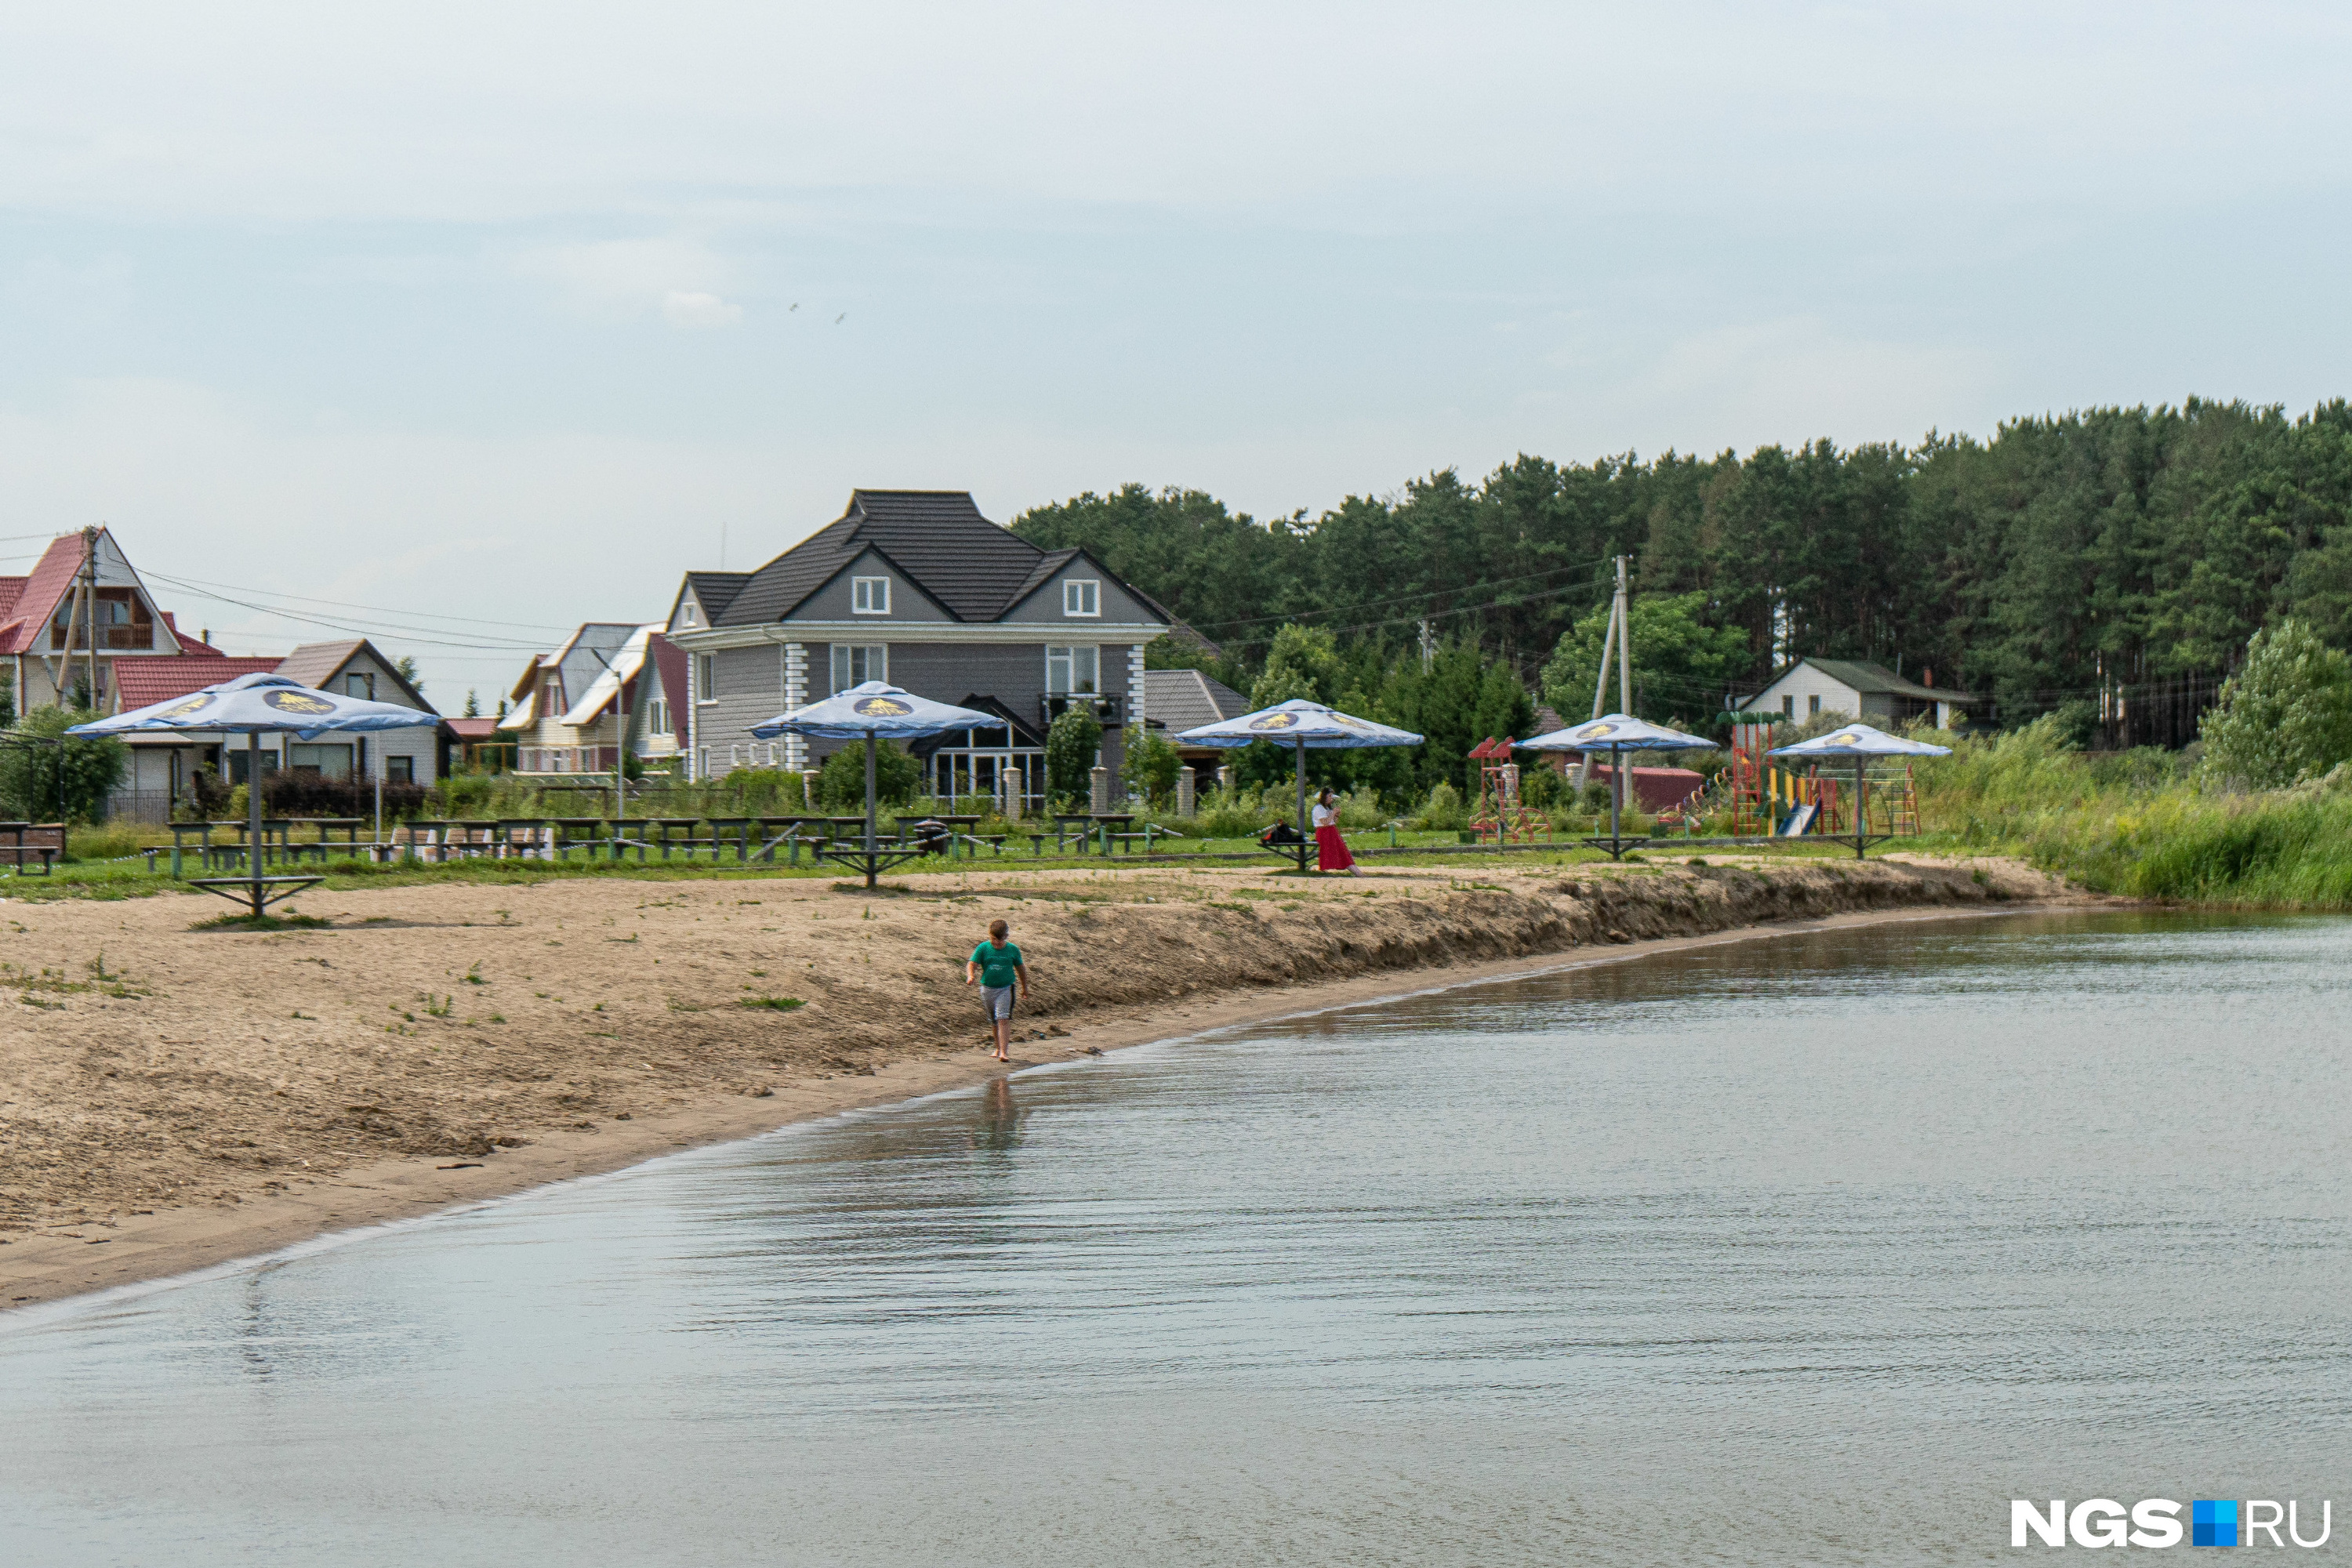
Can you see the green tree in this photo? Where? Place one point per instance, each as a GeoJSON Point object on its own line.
{"type": "Point", "coordinates": [48, 777]}
{"type": "Point", "coordinates": [473, 704]}
{"type": "Point", "coordinates": [841, 782]}
{"type": "Point", "coordinates": [2286, 715]}
{"type": "Point", "coordinates": [1303, 661]}
{"type": "Point", "coordinates": [1148, 764]}
{"type": "Point", "coordinates": [405, 667]}
{"type": "Point", "coordinates": [1682, 666]}
{"type": "Point", "coordinates": [1071, 747]}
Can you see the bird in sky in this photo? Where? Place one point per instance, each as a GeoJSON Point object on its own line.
{"type": "Point", "coordinates": [841, 318]}
{"type": "Point", "coordinates": [797, 305]}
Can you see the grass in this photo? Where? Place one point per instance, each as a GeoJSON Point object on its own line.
{"type": "Point", "coordinates": [2137, 824]}
{"type": "Point", "coordinates": [778, 1003]}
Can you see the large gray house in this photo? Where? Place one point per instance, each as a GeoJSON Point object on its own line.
{"type": "Point", "coordinates": [915, 587]}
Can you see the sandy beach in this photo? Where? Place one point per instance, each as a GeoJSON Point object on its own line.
{"type": "Point", "coordinates": [172, 1098]}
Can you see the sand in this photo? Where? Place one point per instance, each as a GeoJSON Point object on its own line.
{"type": "Point", "coordinates": [171, 1097]}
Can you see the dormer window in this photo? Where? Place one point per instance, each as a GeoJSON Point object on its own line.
{"type": "Point", "coordinates": [1081, 596]}
{"type": "Point", "coordinates": [869, 596]}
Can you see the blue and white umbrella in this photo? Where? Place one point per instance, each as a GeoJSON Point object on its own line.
{"type": "Point", "coordinates": [1860, 743]}
{"type": "Point", "coordinates": [1614, 734]}
{"type": "Point", "coordinates": [260, 705]}
{"type": "Point", "coordinates": [254, 706]}
{"type": "Point", "coordinates": [1300, 724]}
{"type": "Point", "coordinates": [876, 710]}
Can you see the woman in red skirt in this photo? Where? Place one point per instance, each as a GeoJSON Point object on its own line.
{"type": "Point", "coordinates": [1330, 850]}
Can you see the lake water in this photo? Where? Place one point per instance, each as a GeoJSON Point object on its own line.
{"type": "Point", "coordinates": [1816, 1248]}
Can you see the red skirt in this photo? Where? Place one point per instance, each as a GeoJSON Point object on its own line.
{"type": "Point", "coordinates": [1331, 850]}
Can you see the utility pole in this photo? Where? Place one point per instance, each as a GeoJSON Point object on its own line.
{"type": "Point", "coordinates": [1618, 639]}
{"type": "Point", "coordinates": [1428, 645]}
{"type": "Point", "coordinates": [89, 602]}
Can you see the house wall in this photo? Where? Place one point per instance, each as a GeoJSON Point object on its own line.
{"type": "Point", "coordinates": [1805, 683]}
{"type": "Point", "coordinates": [907, 602]}
{"type": "Point", "coordinates": [1043, 605]}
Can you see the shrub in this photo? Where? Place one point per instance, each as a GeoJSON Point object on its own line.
{"type": "Point", "coordinates": [1071, 746]}
{"type": "Point", "coordinates": [67, 780]}
{"type": "Point", "coordinates": [2286, 715]}
{"type": "Point", "coordinates": [1443, 810]}
{"type": "Point", "coordinates": [310, 794]}
{"type": "Point", "coordinates": [841, 784]}
{"type": "Point", "coordinates": [1149, 764]}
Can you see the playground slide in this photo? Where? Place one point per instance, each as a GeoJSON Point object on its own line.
{"type": "Point", "coordinates": [1799, 822]}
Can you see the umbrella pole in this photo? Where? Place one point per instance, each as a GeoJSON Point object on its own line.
{"type": "Point", "coordinates": [869, 808]}
{"type": "Point", "coordinates": [1302, 805]}
{"type": "Point", "coordinates": [1616, 791]}
{"type": "Point", "coordinates": [1860, 818]}
{"type": "Point", "coordinates": [253, 817]}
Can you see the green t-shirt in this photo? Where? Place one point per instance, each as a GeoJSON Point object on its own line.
{"type": "Point", "coordinates": [996, 964]}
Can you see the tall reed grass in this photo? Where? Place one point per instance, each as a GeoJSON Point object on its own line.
{"type": "Point", "coordinates": [2141, 823]}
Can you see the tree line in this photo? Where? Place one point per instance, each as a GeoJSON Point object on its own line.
{"type": "Point", "coordinates": [2108, 566]}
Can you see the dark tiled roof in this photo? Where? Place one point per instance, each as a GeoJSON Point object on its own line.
{"type": "Point", "coordinates": [971, 566]}
{"type": "Point", "coordinates": [1186, 698]}
{"type": "Point", "coordinates": [716, 590]}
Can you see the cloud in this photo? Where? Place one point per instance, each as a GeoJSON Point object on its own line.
{"type": "Point", "coordinates": [677, 278]}
{"type": "Point", "coordinates": [684, 308]}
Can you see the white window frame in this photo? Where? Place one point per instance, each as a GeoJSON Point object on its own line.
{"type": "Point", "coordinates": [1082, 596]}
{"type": "Point", "coordinates": [1070, 657]}
{"type": "Point", "coordinates": [869, 596]}
{"type": "Point", "coordinates": [843, 660]}
{"type": "Point", "coordinates": [705, 677]}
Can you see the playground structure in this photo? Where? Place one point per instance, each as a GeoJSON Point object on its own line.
{"type": "Point", "coordinates": [1498, 813]}
{"type": "Point", "coordinates": [1762, 798]}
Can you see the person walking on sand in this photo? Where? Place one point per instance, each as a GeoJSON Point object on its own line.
{"type": "Point", "coordinates": [993, 966]}
{"type": "Point", "coordinates": [1330, 850]}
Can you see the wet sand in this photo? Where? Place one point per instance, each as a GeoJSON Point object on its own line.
{"type": "Point", "coordinates": [172, 1098]}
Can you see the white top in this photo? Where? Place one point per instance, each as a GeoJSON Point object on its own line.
{"type": "Point", "coordinates": [1326, 815]}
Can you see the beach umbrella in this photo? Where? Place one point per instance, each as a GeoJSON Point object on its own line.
{"type": "Point", "coordinates": [875, 710]}
{"type": "Point", "coordinates": [1300, 724]}
{"type": "Point", "coordinates": [1616, 734]}
{"type": "Point", "coordinates": [259, 705]}
{"type": "Point", "coordinates": [1860, 743]}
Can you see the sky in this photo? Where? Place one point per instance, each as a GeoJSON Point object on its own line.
{"type": "Point", "coordinates": [458, 325]}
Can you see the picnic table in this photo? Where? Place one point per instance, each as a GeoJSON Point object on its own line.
{"type": "Point", "coordinates": [571, 831]}
{"type": "Point", "coordinates": [15, 831]}
{"type": "Point", "coordinates": [671, 829]}
{"type": "Point", "coordinates": [523, 835]}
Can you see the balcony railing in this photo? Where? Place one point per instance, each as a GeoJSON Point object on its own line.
{"type": "Point", "coordinates": [1109, 709]}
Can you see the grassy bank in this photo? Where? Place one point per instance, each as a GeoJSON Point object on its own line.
{"type": "Point", "coordinates": [2140, 825]}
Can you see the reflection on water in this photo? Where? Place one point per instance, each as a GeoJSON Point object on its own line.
{"type": "Point", "coordinates": [998, 1130]}
{"type": "Point", "coordinates": [1679, 1258]}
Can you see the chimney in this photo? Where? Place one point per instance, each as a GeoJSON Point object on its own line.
{"type": "Point", "coordinates": [1927, 677]}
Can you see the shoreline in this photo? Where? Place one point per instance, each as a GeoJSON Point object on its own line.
{"type": "Point", "coordinates": [146, 1252]}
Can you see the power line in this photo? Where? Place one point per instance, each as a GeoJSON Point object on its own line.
{"type": "Point", "coordinates": [193, 583]}
{"type": "Point", "coordinates": [1403, 598]}
{"type": "Point", "coordinates": [407, 634]}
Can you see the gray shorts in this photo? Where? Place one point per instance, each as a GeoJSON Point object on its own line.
{"type": "Point", "coordinates": [996, 1001]}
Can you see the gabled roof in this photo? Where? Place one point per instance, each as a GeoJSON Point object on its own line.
{"type": "Point", "coordinates": [51, 578]}
{"type": "Point", "coordinates": [714, 591]}
{"type": "Point", "coordinates": [1874, 679]}
{"type": "Point", "coordinates": [141, 681]}
{"type": "Point", "coordinates": [621, 667]}
{"type": "Point", "coordinates": [1188, 699]}
{"type": "Point", "coordinates": [973, 568]}
{"type": "Point", "coordinates": [10, 589]}
{"type": "Point", "coordinates": [316, 663]}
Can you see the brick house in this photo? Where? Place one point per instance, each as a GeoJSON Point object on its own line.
{"type": "Point", "coordinates": [917, 588]}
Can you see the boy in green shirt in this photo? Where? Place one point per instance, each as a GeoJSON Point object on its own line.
{"type": "Point", "coordinates": [993, 966]}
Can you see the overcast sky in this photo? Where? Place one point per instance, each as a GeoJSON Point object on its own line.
{"type": "Point", "coordinates": [508, 315]}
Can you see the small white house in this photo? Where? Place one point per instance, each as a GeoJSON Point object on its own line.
{"type": "Point", "coordinates": [1869, 692]}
